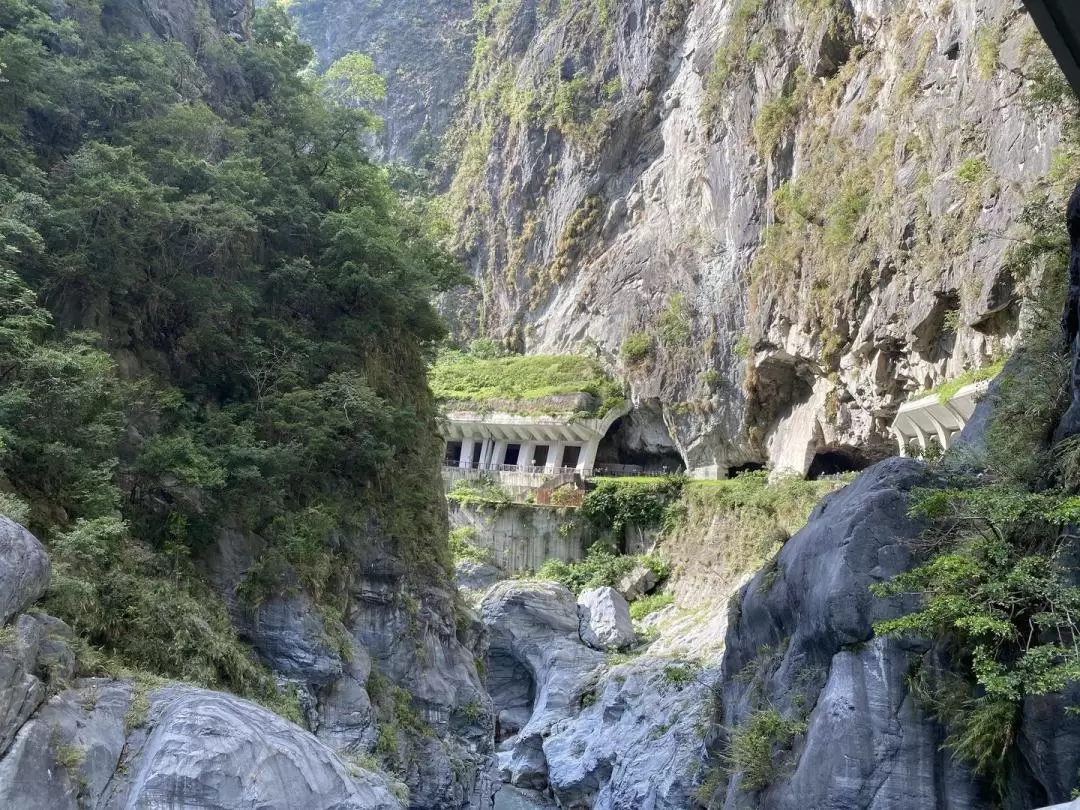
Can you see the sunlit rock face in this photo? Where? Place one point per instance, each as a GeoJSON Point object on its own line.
{"type": "Point", "coordinates": [804, 208]}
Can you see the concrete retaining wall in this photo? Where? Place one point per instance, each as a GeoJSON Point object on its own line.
{"type": "Point", "coordinates": [521, 536]}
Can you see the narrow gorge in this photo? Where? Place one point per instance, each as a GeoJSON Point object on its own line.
{"type": "Point", "coordinates": [516, 404]}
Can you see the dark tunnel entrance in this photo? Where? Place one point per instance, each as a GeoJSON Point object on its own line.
{"type": "Point", "coordinates": [832, 461]}
{"type": "Point", "coordinates": [750, 466]}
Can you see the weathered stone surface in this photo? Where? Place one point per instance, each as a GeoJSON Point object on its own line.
{"type": "Point", "coordinates": [803, 644]}
{"type": "Point", "coordinates": [215, 751]}
{"type": "Point", "coordinates": [425, 66]}
{"type": "Point", "coordinates": [24, 569]}
{"type": "Point", "coordinates": [637, 583]}
{"type": "Point", "coordinates": [67, 755]}
{"type": "Point", "coordinates": [289, 633]}
{"type": "Point", "coordinates": [638, 742]}
{"type": "Point", "coordinates": [604, 619]}
{"type": "Point", "coordinates": [577, 240]}
{"type": "Point", "coordinates": [537, 671]}
{"type": "Point", "coordinates": [477, 576]}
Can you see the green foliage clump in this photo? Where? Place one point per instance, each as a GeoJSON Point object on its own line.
{"type": "Point", "coordinates": [948, 389]}
{"type": "Point", "coordinates": [774, 120]}
{"type": "Point", "coordinates": [680, 675]}
{"type": "Point", "coordinates": [601, 567]}
{"type": "Point", "coordinates": [483, 490]}
{"type": "Point", "coordinates": [729, 55]}
{"type": "Point", "coordinates": [462, 546]}
{"type": "Point", "coordinates": [759, 748]}
{"type": "Point", "coordinates": [673, 325]}
{"type": "Point", "coordinates": [988, 48]}
{"type": "Point", "coordinates": [973, 170]}
{"type": "Point", "coordinates": [994, 589]}
{"type": "Point", "coordinates": [736, 525]}
{"type": "Point", "coordinates": [520, 382]}
{"type": "Point", "coordinates": [617, 503]}
{"type": "Point", "coordinates": [640, 608]}
{"type": "Point", "coordinates": [214, 312]}
{"type": "Point", "coordinates": [996, 592]}
{"type": "Point", "coordinates": [635, 348]}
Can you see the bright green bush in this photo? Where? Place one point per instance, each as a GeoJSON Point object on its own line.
{"type": "Point", "coordinates": [601, 567]}
{"type": "Point", "coordinates": [463, 548]}
{"type": "Point", "coordinates": [640, 608]}
{"type": "Point", "coordinates": [484, 490]}
{"type": "Point", "coordinates": [616, 503]}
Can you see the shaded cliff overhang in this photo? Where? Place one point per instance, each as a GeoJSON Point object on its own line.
{"type": "Point", "coordinates": [1059, 23]}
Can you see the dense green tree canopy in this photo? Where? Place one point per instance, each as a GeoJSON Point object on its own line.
{"type": "Point", "coordinates": [213, 312]}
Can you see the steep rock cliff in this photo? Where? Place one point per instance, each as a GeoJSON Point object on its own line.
{"type": "Point", "coordinates": [423, 50]}
{"type": "Point", "coordinates": [804, 209]}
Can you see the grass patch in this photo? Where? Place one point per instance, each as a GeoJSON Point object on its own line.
{"type": "Point", "coordinates": [484, 490]}
{"type": "Point", "coordinates": [642, 607]}
{"type": "Point", "coordinates": [635, 348]}
{"type": "Point", "coordinates": [601, 567]}
{"type": "Point", "coordinates": [735, 526]}
{"type": "Point", "coordinates": [948, 389]}
{"type": "Point", "coordinates": [759, 748]}
{"type": "Point", "coordinates": [520, 383]}
{"type": "Point", "coordinates": [462, 546]}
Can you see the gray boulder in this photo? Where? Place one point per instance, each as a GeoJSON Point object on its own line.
{"type": "Point", "coordinates": [34, 655]}
{"type": "Point", "coordinates": [24, 569]}
{"type": "Point", "coordinates": [604, 619]}
{"type": "Point", "coordinates": [802, 644]}
{"type": "Point", "coordinates": [219, 752]}
{"type": "Point", "coordinates": [637, 583]}
{"type": "Point", "coordinates": [477, 576]}
{"type": "Point", "coordinates": [108, 745]}
{"type": "Point", "coordinates": [538, 671]}
{"type": "Point", "coordinates": [637, 742]}
{"type": "Point", "coordinates": [67, 755]}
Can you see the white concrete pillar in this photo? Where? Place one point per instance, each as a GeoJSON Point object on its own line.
{"type": "Point", "coordinates": [498, 454]}
{"type": "Point", "coordinates": [525, 455]}
{"type": "Point", "coordinates": [485, 454]}
{"type": "Point", "coordinates": [900, 440]}
{"type": "Point", "coordinates": [466, 453]}
{"type": "Point", "coordinates": [554, 459]}
{"type": "Point", "coordinates": [941, 430]}
{"type": "Point", "coordinates": [588, 455]}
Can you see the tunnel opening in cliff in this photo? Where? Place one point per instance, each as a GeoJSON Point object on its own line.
{"type": "Point", "coordinates": [830, 461]}
{"type": "Point", "coordinates": [639, 443]}
{"type": "Point", "coordinates": [750, 466]}
{"type": "Point", "coordinates": [513, 693]}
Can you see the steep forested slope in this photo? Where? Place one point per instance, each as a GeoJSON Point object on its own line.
{"type": "Point", "coordinates": [213, 320]}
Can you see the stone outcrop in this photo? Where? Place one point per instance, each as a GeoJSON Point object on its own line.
{"type": "Point", "coordinates": [425, 65]}
{"type": "Point", "coordinates": [604, 619]}
{"type": "Point", "coordinates": [582, 732]}
{"type": "Point", "coordinates": [801, 643]}
{"type": "Point", "coordinates": [638, 582]}
{"type": "Point", "coordinates": [24, 569]}
{"type": "Point", "coordinates": [407, 636]}
{"type": "Point", "coordinates": [110, 743]}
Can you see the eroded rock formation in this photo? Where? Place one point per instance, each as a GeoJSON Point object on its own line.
{"type": "Point", "coordinates": [804, 211]}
